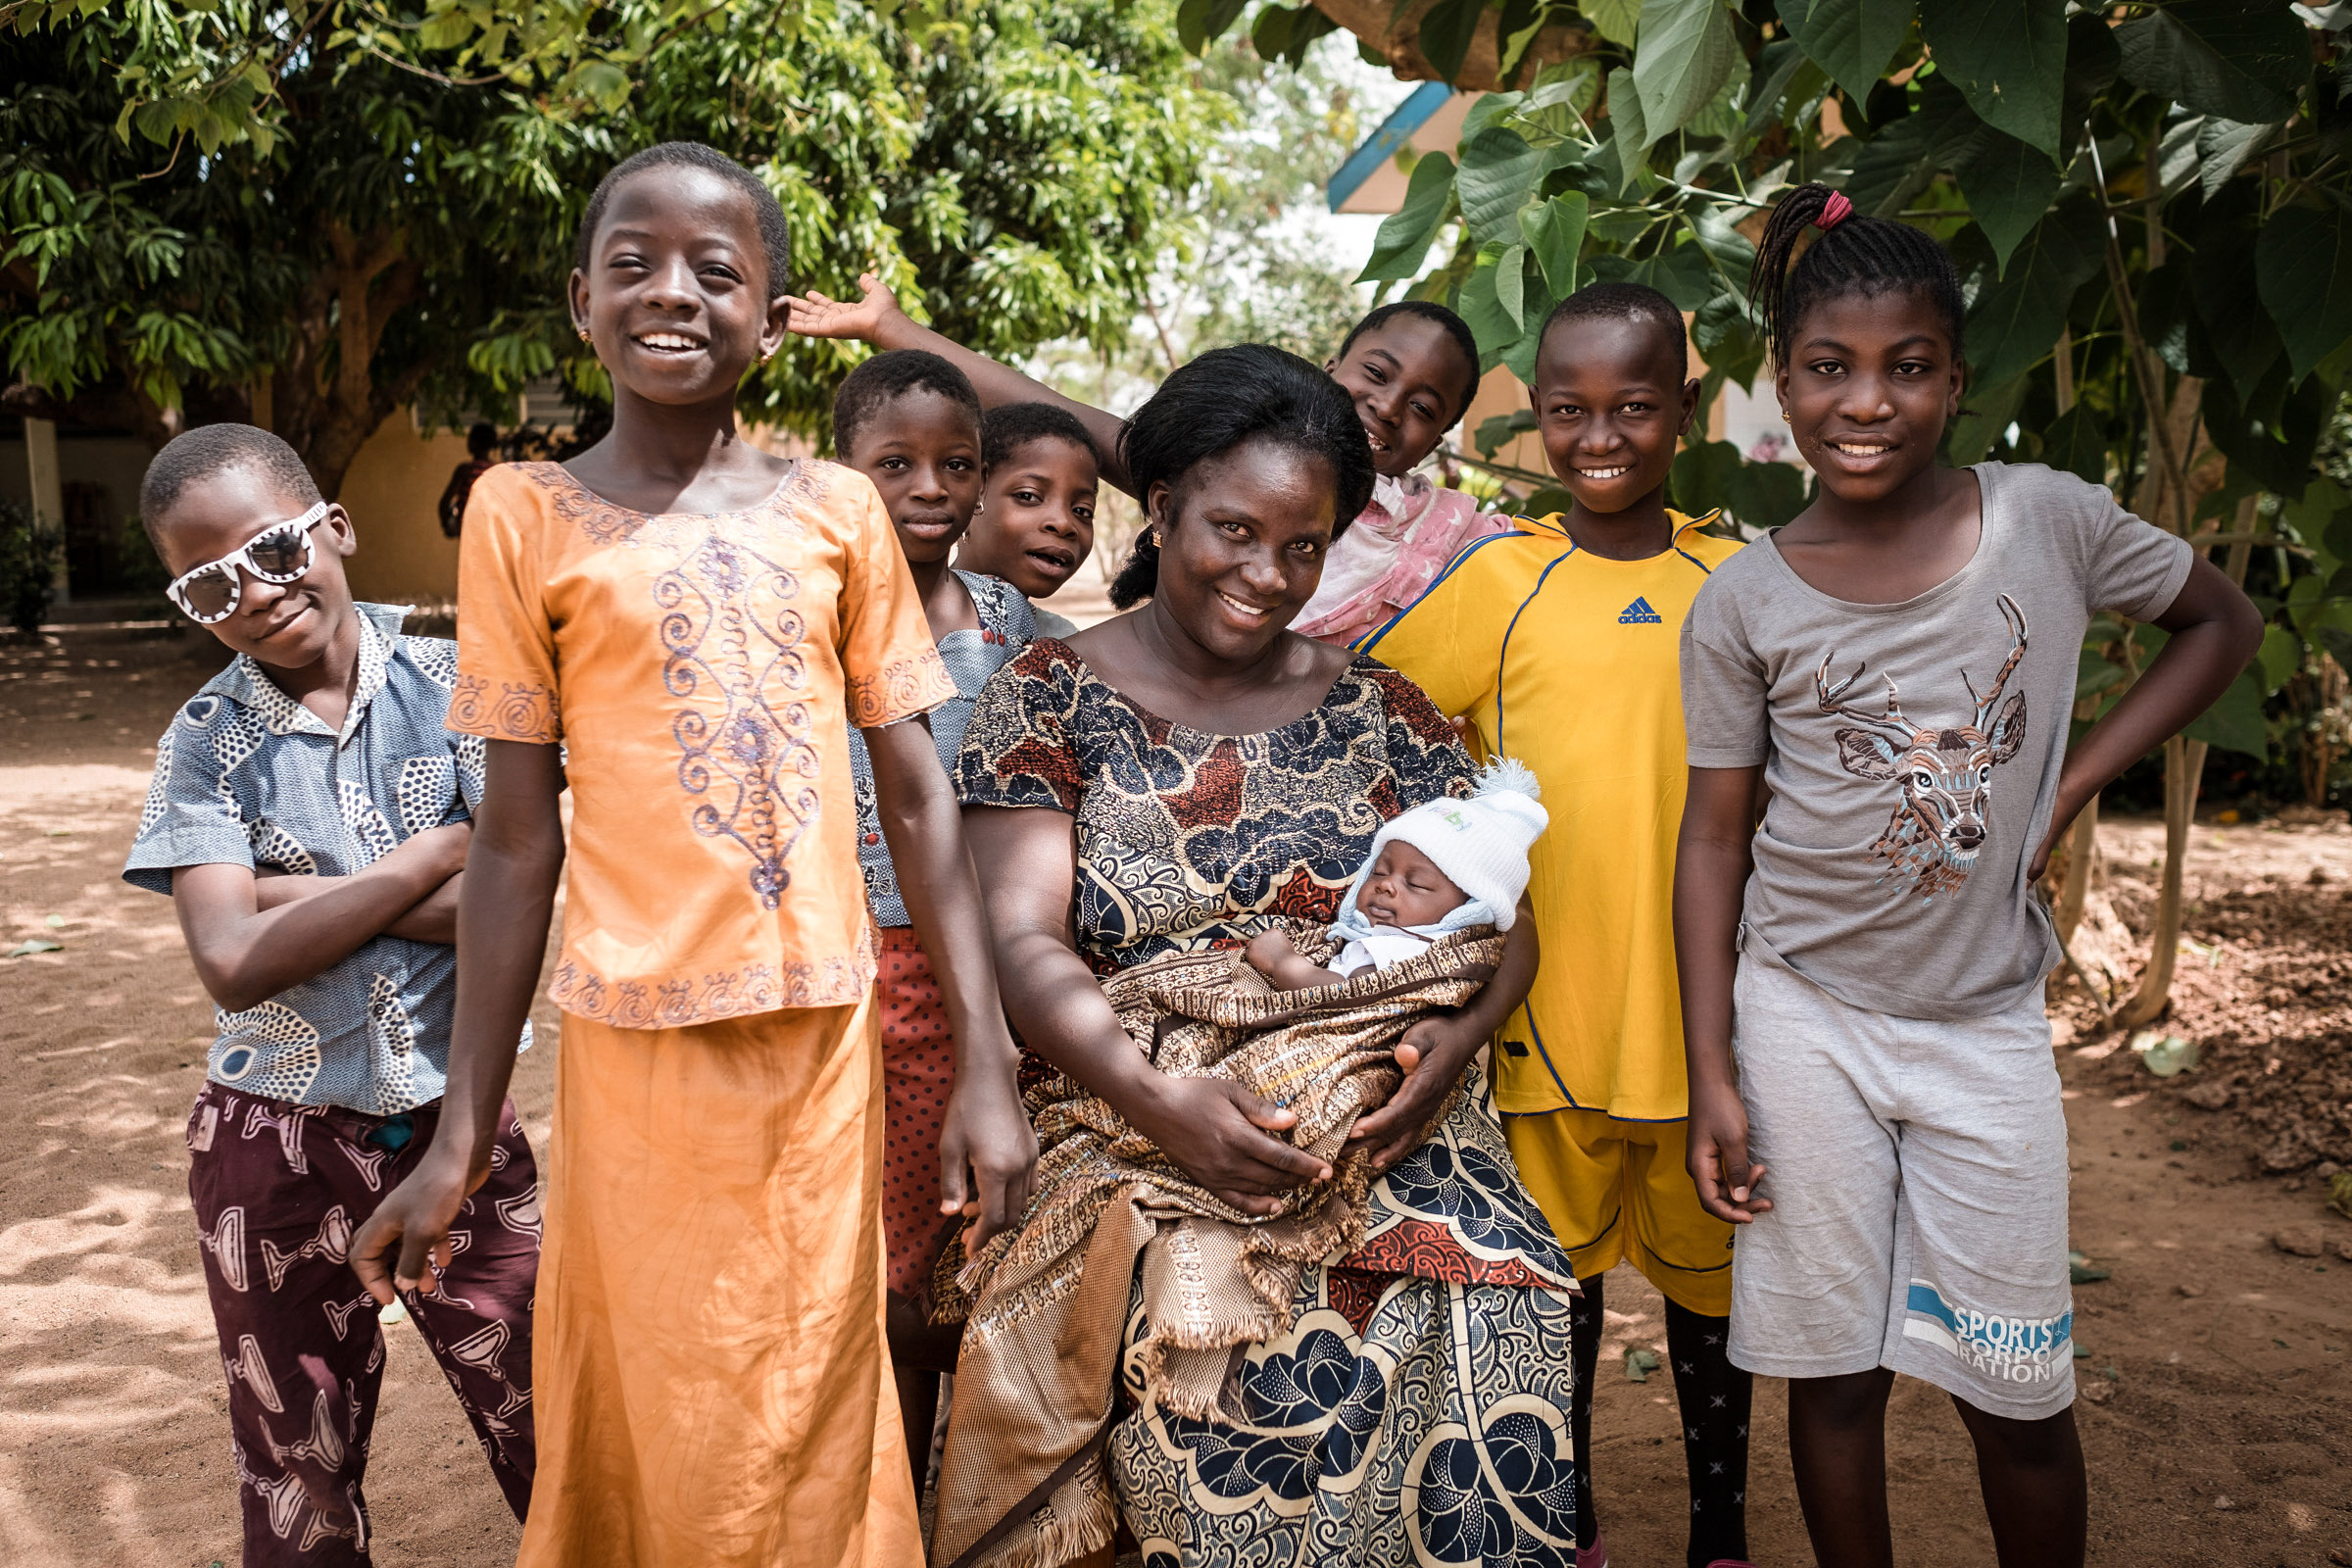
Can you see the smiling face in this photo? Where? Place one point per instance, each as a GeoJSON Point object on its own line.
{"type": "Point", "coordinates": [674, 298]}
{"type": "Point", "coordinates": [1037, 526]}
{"type": "Point", "coordinates": [285, 626]}
{"type": "Point", "coordinates": [1409, 384]}
{"type": "Point", "coordinates": [1405, 889]}
{"type": "Point", "coordinates": [1872, 382]}
{"type": "Point", "coordinates": [1610, 401]}
{"type": "Point", "coordinates": [1242, 544]}
{"type": "Point", "coordinates": [922, 451]}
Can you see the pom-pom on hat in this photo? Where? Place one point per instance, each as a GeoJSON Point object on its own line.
{"type": "Point", "coordinates": [1480, 844]}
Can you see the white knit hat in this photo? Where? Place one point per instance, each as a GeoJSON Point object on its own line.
{"type": "Point", "coordinates": [1480, 844]}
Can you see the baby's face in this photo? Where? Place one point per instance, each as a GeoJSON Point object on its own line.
{"type": "Point", "coordinates": [1406, 889]}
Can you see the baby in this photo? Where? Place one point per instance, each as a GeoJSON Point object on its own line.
{"type": "Point", "coordinates": [1442, 866]}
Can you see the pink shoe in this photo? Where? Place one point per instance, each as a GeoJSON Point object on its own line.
{"type": "Point", "coordinates": [1597, 1555]}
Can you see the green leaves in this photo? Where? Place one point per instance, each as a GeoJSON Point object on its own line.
{"type": "Point", "coordinates": [1201, 23]}
{"type": "Point", "coordinates": [1283, 33]}
{"type": "Point", "coordinates": [1555, 236]}
{"type": "Point", "coordinates": [1499, 175]}
{"type": "Point", "coordinates": [1404, 234]}
{"type": "Point", "coordinates": [2077, 443]}
{"type": "Point", "coordinates": [1853, 41]}
{"type": "Point", "coordinates": [2234, 721]}
{"type": "Point", "coordinates": [2303, 268]}
{"type": "Point", "coordinates": [1613, 20]}
{"type": "Point", "coordinates": [1687, 52]}
{"type": "Point", "coordinates": [2008, 184]}
{"type": "Point", "coordinates": [2008, 57]}
{"type": "Point", "coordinates": [2234, 58]}
{"type": "Point", "coordinates": [1446, 32]}
{"type": "Point", "coordinates": [2017, 317]}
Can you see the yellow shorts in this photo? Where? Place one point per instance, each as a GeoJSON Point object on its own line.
{"type": "Point", "coordinates": [1617, 1191]}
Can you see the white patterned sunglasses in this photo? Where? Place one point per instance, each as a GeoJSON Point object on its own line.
{"type": "Point", "coordinates": [280, 553]}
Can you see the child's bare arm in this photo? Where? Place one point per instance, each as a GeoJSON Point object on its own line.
{"type": "Point", "coordinates": [432, 918]}
{"type": "Point", "coordinates": [986, 1129]}
{"type": "Point", "coordinates": [875, 317]}
{"type": "Point", "coordinates": [502, 941]}
{"type": "Point", "coordinates": [2215, 631]}
{"type": "Point", "coordinates": [1710, 884]}
{"type": "Point", "coordinates": [247, 950]}
{"type": "Point", "coordinates": [1284, 967]}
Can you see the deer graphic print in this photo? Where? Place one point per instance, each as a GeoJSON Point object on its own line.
{"type": "Point", "coordinates": [1946, 776]}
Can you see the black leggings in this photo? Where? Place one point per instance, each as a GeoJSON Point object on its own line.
{"type": "Point", "coordinates": [1714, 1396]}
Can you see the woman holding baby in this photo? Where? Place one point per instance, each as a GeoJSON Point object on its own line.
{"type": "Point", "coordinates": [1192, 774]}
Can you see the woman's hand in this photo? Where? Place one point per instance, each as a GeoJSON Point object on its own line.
{"type": "Point", "coordinates": [1716, 1152]}
{"type": "Point", "coordinates": [812, 315]}
{"type": "Point", "coordinates": [1433, 1055]}
{"type": "Point", "coordinates": [1212, 1131]}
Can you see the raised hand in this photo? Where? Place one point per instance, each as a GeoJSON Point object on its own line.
{"type": "Point", "coordinates": [813, 314]}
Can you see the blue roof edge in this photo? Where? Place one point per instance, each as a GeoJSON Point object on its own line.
{"type": "Point", "coordinates": [1379, 147]}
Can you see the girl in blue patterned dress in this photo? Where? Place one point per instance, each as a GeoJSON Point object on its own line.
{"type": "Point", "coordinates": [1184, 776]}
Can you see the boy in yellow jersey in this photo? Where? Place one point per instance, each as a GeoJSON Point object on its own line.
{"type": "Point", "coordinates": [1559, 643]}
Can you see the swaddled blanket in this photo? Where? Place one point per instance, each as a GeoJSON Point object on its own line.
{"type": "Point", "coordinates": [1046, 1304]}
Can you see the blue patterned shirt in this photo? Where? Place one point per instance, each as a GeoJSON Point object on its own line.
{"type": "Point", "coordinates": [246, 775]}
{"type": "Point", "coordinates": [1007, 624]}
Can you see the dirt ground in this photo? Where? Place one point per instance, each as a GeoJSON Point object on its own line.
{"type": "Point", "coordinates": [2218, 1403]}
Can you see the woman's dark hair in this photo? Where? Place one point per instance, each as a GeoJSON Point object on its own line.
{"type": "Point", "coordinates": [885, 379]}
{"type": "Point", "coordinates": [1225, 399]}
{"type": "Point", "coordinates": [1855, 255]}
{"type": "Point", "coordinates": [774, 238]}
{"type": "Point", "coordinates": [1010, 426]}
{"type": "Point", "coordinates": [1429, 311]}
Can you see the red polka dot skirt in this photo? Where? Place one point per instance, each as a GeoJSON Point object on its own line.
{"type": "Point", "coordinates": [918, 1068]}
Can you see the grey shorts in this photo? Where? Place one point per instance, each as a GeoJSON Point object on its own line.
{"type": "Point", "coordinates": [1917, 1170]}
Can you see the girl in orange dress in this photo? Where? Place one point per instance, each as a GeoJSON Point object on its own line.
{"type": "Point", "coordinates": [697, 625]}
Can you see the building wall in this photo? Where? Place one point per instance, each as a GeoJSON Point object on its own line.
{"type": "Point", "coordinates": [391, 492]}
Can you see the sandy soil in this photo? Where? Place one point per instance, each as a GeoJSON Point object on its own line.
{"type": "Point", "coordinates": [2218, 1403]}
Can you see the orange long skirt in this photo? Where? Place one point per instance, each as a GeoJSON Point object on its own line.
{"type": "Point", "coordinates": [711, 1382]}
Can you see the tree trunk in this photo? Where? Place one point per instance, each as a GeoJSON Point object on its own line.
{"type": "Point", "coordinates": [2082, 849]}
{"type": "Point", "coordinates": [325, 399]}
{"type": "Point", "coordinates": [2183, 772]}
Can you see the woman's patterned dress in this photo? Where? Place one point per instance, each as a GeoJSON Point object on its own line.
{"type": "Point", "coordinates": [1417, 1411]}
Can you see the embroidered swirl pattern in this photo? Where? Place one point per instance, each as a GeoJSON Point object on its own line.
{"type": "Point", "coordinates": [731, 639]}
{"type": "Point", "coordinates": [509, 711]}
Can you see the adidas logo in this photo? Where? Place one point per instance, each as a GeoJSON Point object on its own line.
{"type": "Point", "coordinates": [1639, 614]}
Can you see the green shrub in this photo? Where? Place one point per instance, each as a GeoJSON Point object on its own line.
{"type": "Point", "coordinates": [28, 557]}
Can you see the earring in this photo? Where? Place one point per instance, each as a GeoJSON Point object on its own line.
{"type": "Point", "coordinates": [1155, 536]}
{"type": "Point", "coordinates": [584, 337]}
{"type": "Point", "coordinates": [1784, 416]}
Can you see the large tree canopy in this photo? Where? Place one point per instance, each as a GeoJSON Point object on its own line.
{"type": "Point", "coordinates": [328, 212]}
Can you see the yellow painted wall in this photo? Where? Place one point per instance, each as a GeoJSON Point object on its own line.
{"type": "Point", "coordinates": [390, 492]}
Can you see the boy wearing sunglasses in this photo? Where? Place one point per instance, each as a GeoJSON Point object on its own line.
{"type": "Point", "coordinates": [309, 816]}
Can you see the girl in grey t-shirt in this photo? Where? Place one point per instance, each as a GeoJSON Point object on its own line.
{"type": "Point", "coordinates": [1898, 666]}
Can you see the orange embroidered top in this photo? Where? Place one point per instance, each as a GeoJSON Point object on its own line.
{"type": "Point", "coordinates": [702, 671]}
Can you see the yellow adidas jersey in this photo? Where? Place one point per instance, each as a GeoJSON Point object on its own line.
{"type": "Point", "coordinates": [1570, 662]}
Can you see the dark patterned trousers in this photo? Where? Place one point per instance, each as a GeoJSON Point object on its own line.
{"type": "Point", "coordinates": [280, 1189]}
